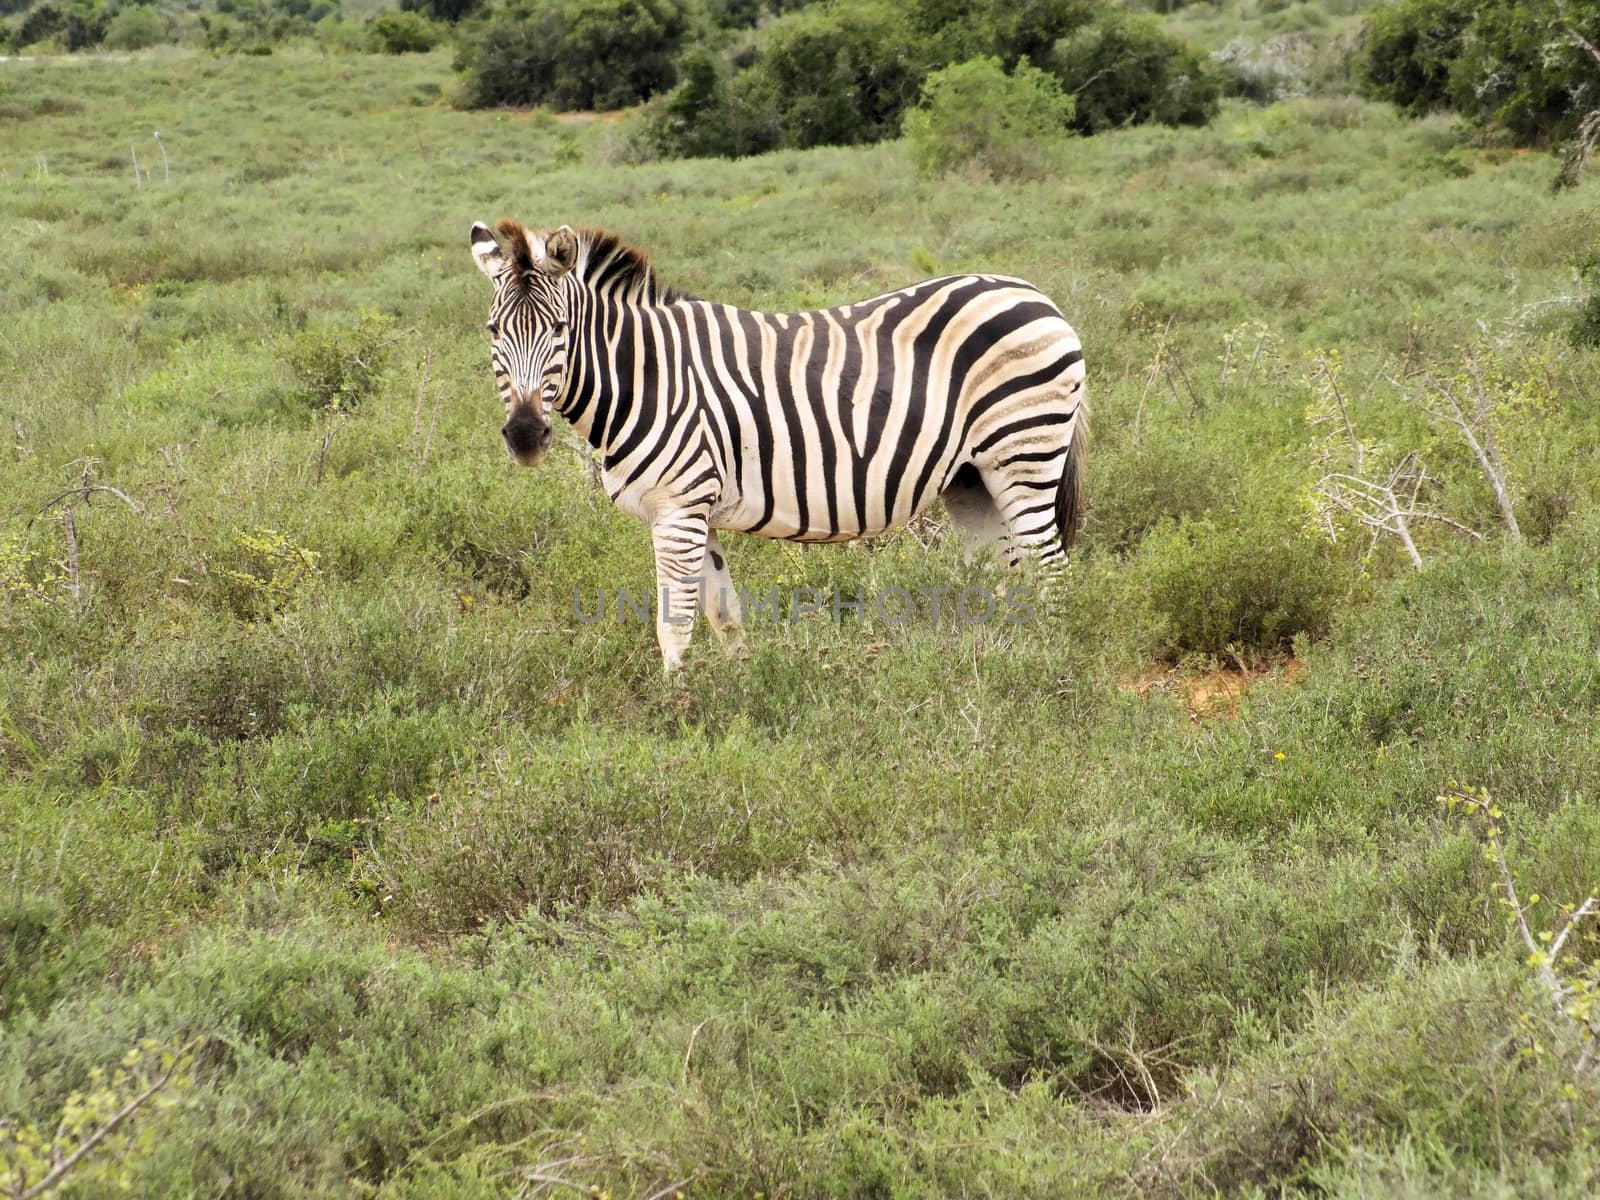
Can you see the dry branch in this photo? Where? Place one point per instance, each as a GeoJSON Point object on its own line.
{"type": "Point", "coordinates": [59, 1171]}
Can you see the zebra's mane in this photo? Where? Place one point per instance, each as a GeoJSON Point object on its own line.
{"type": "Point", "coordinates": [605, 263]}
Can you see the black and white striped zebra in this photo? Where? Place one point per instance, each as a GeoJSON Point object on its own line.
{"type": "Point", "coordinates": [814, 426]}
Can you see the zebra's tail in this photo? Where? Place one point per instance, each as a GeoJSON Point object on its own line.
{"type": "Point", "coordinates": [1069, 492]}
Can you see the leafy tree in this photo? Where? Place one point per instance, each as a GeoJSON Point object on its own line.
{"type": "Point", "coordinates": [1126, 69]}
{"type": "Point", "coordinates": [967, 29]}
{"type": "Point", "coordinates": [1410, 49]}
{"type": "Point", "coordinates": [837, 74]}
{"type": "Point", "coordinates": [1524, 68]}
{"type": "Point", "coordinates": [589, 54]}
{"type": "Point", "coordinates": [713, 114]}
{"type": "Point", "coordinates": [843, 75]}
{"type": "Point", "coordinates": [136, 28]}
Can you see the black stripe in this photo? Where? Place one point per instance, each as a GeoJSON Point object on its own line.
{"type": "Point", "coordinates": [1037, 421]}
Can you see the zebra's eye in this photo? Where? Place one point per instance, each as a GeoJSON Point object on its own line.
{"type": "Point", "coordinates": [493, 326]}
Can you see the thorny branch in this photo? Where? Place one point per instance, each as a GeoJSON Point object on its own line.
{"type": "Point", "coordinates": [59, 1171]}
{"type": "Point", "coordinates": [1542, 958]}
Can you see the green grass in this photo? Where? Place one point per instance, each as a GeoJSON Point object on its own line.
{"type": "Point", "coordinates": [450, 894]}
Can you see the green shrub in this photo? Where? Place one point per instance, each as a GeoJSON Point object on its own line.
{"type": "Point", "coordinates": [338, 369]}
{"type": "Point", "coordinates": [838, 75]}
{"type": "Point", "coordinates": [403, 33]}
{"type": "Point", "coordinates": [136, 28]}
{"type": "Point", "coordinates": [712, 113]}
{"type": "Point", "coordinates": [1166, 476]}
{"type": "Point", "coordinates": [574, 54]}
{"type": "Point", "coordinates": [1126, 69]}
{"type": "Point", "coordinates": [1586, 329]}
{"type": "Point", "coordinates": [977, 114]}
{"type": "Point", "coordinates": [1239, 587]}
{"type": "Point", "coordinates": [822, 76]}
{"type": "Point", "coordinates": [1010, 31]}
{"type": "Point", "coordinates": [1437, 1057]}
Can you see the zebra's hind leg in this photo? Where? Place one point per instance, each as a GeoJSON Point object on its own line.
{"type": "Point", "coordinates": [723, 609]}
{"type": "Point", "coordinates": [973, 512]}
{"type": "Point", "coordinates": [1026, 492]}
{"type": "Point", "coordinates": [680, 545]}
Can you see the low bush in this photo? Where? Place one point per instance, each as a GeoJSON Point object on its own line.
{"type": "Point", "coordinates": [338, 369]}
{"type": "Point", "coordinates": [403, 33]}
{"type": "Point", "coordinates": [448, 11]}
{"type": "Point", "coordinates": [74, 26]}
{"type": "Point", "coordinates": [976, 115]}
{"type": "Point", "coordinates": [1237, 585]}
{"type": "Point", "coordinates": [1437, 1057]}
{"type": "Point", "coordinates": [847, 74]}
{"type": "Point", "coordinates": [841, 76]}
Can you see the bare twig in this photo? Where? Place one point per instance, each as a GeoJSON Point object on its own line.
{"type": "Point", "coordinates": [83, 492]}
{"type": "Point", "coordinates": [422, 390]}
{"type": "Point", "coordinates": [1485, 449]}
{"type": "Point", "coordinates": [74, 583]}
{"type": "Point", "coordinates": [1344, 413]}
{"type": "Point", "coordinates": [673, 1189]}
{"type": "Point", "coordinates": [1542, 958]}
{"type": "Point", "coordinates": [1382, 508]}
{"type": "Point", "coordinates": [322, 453]}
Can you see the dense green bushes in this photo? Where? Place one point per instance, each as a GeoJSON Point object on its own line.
{"type": "Point", "coordinates": [1237, 588]}
{"type": "Point", "coordinates": [219, 25]}
{"type": "Point", "coordinates": [843, 74]}
{"type": "Point", "coordinates": [1511, 67]}
{"type": "Point", "coordinates": [591, 54]}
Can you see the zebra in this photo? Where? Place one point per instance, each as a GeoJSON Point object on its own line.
{"type": "Point", "coordinates": [818, 426]}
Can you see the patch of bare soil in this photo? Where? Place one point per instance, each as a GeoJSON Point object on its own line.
{"type": "Point", "coordinates": [1213, 693]}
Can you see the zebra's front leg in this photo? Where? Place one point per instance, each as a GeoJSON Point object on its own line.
{"type": "Point", "coordinates": [680, 545]}
{"type": "Point", "coordinates": [721, 601]}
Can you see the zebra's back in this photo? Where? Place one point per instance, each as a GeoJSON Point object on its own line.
{"type": "Point", "coordinates": [847, 421]}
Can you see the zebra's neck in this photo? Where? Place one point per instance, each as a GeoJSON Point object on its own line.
{"type": "Point", "coordinates": [611, 286]}
{"type": "Point", "coordinates": [611, 351]}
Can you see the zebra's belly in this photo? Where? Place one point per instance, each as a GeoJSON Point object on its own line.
{"type": "Point", "coordinates": [820, 522]}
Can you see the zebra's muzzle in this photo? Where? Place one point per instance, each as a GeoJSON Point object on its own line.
{"type": "Point", "coordinates": [527, 436]}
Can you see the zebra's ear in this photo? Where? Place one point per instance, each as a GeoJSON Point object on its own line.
{"type": "Point", "coordinates": [561, 250]}
{"type": "Point", "coordinates": [486, 251]}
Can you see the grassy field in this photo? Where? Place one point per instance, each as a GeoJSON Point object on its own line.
{"type": "Point", "coordinates": [319, 802]}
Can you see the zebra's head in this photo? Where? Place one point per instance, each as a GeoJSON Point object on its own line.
{"type": "Point", "coordinates": [528, 327]}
